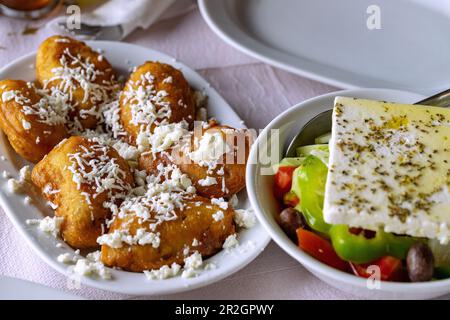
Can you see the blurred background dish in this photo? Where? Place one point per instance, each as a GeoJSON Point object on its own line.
{"type": "Point", "coordinates": [335, 41]}
{"type": "Point", "coordinates": [28, 9]}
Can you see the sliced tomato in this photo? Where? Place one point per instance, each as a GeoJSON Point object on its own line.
{"type": "Point", "coordinates": [390, 269]}
{"type": "Point", "coordinates": [320, 248]}
{"type": "Point", "coordinates": [283, 181]}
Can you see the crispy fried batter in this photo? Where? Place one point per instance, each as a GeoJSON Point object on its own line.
{"type": "Point", "coordinates": [83, 221]}
{"type": "Point", "coordinates": [194, 222]}
{"type": "Point", "coordinates": [88, 77]}
{"type": "Point", "coordinates": [232, 164]}
{"type": "Point", "coordinates": [30, 136]}
{"type": "Point", "coordinates": [154, 93]}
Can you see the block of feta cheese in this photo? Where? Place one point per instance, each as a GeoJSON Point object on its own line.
{"type": "Point", "coordinates": [389, 168]}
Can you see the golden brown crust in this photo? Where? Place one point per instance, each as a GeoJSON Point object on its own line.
{"type": "Point", "coordinates": [33, 143]}
{"type": "Point", "coordinates": [82, 221]}
{"type": "Point", "coordinates": [48, 60]}
{"type": "Point", "coordinates": [194, 222]}
{"type": "Point", "coordinates": [179, 96]}
{"type": "Point", "coordinates": [233, 171]}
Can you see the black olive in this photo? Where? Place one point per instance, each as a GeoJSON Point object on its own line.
{"type": "Point", "coordinates": [420, 262]}
{"type": "Point", "coordinates": [290, 220]}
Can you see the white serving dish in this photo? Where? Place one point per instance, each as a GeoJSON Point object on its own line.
{"type": "Point", "coordinates": [124, 56]}
{"type": "Point", "coordinates": [260, 191]}
{"type": "Point", "coordinates": [329, 41]}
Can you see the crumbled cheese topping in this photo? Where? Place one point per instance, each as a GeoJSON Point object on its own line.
{"type": "Point", "coordinates": [85, 267]}
{"type": "Point", "coordinates": [220, 202]}
{"type": "Point", "coordinates": [66, 258]}
{"type": "Point", "coordinates": [208, 181]}
{"type": "Point", "coordinates": [218, 216]}
{"type": "Point", "coordinates": [8, 95]}
{"type": "Point", "coordinates": [148, 106]}
{"type": "Point", "coordinates": [192, 264]}
{"type": "Point", "coordinates": [78, 71]}
{"type": "Point", "coordinates": [211, 147]}
{"type": "Point", "coordinates": [94, 167]}
{"type": "Point", "coordinates": [230, 242]}
{"type": "Point", "coordinates": [118, 237]}
{"type": "Point", "coordinates": [15, 186]}
{"type": "Point", "coordinates": [48, 110]}
{"type": "Point", "coordinates": [50, 225]}
{"type": "Point", "coordinates": [169, 79]}
{"type": "Point", "coordinates": [49, 190]}
{"type": "Point", "coordinates": [244, 218]}
{"type": "Point", "coordinates": [25, 174]}
{"type": "Point", "coordinates": [26, 125]}
{"type": "Point", "coordinates": [166, 192]}
{"type": "Point", "coordinates": [166, 136]}
{"type": "Point", "coordinates": [164, 272]}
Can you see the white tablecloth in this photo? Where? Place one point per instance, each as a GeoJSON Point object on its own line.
{"type": "Point", "coordinates": [256, 91]}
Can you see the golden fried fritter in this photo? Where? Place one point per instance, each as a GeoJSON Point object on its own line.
{"type": "Point", "coordinates": [155, 93]}
{"type": "Point", "coordinates": [195, 221]}
{"type": "Point", "coordinates": [83, 179]}
{"type": "Point", "coordinates": [29, 122]}
{"type": "Point", "coordinates": [73, 68]}
{"type": "Point", "coordinates": [224, 179]}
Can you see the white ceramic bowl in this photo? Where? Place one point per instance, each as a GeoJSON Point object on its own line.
{"type": "Point", "coordinates": [259, 188]}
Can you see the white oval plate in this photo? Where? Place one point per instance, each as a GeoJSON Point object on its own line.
{"type": "Point", "coordinates": [329, 41]}
{"type": "Point", "coordinates": [260, 187]}
{"type": "Point", "coordinates": [124, 56]}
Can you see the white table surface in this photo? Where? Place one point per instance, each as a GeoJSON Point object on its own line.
{"type": "Point", "coordinates": [255, 90]}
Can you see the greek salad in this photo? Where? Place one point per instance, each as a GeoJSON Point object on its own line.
{"type": "Point", "coordinates": [299, 186]}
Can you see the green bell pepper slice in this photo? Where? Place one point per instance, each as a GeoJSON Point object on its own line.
{"type": "Point", "coordinates": [359, 249]}
{"type": "Point", "coordinates": [308, 184]}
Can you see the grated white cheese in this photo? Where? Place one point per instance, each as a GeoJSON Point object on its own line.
{"type": "Point", "coordinates": [230, 242]}
{"type": "Point", "coordinates": [15, 186]}
{"type": "Point", "coordinates": [164, 272]}
{"type": "Point", "coordinates": [211, 147]}
{"type": "Point", "coordinates": [25, 174]}
{"type": "Point", "coordinates": [208, 181]}
{"type": "Point", "coordinates": [75, 71]}
{"type": "Point", "coordinates": [8, 95]}
{"type": "Point", "coordinates": [169, 79]}
{"type": "Point", "coordinates": [244, 218]}
{"type": "Point", "coordinates": [85, 267]}
{"type": "Point", "coordinates": [50, 225]}
{"type": "Point", "coordinates": [220, 202]}
{"type": "Point", "coordinates": [191, 264]}
{"type": "Point", "coordinates": [66, 258]}
{"type": "Point", "coordinates": [166, 136]}
{"type": "Point", "coordinates": [94, 167]}
{"type": "Point", "coordinates": [218, 216]}
{"type": "Point", "coordinates": [118, 237]}
{"type": "Point", "coordinates": [147, 105]}
{"type": "Point", "coordinates": [26, 125]}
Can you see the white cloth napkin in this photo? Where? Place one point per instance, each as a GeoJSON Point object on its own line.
{"type": "Point", "coordinates": [129, 14]}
